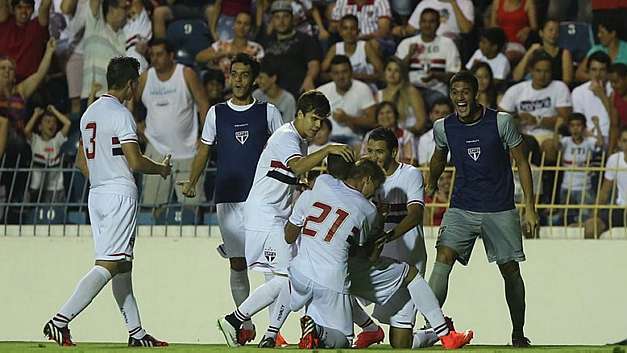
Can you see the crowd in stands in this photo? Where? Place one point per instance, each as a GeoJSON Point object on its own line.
{"type": "Point", "coordinates": [559, 66]}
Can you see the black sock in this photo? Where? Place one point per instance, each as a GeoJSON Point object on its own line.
{"type": "Point", "coordinates": [236, 318]}
{"type": "Point", "coordinates": [515, 296]}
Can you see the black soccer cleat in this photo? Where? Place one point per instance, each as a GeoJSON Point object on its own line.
{"type": "Point", "coordinates": [61, 335]}
{"type": "Point", "coordinates": [146, 341]}
{"type": "Point", "coordinates": [267, 342]}
{"type": "Point", "coordinates": [521, 342]}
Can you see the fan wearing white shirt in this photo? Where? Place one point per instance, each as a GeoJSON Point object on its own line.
{"type": "Point", "coordinates": [426, 144]}
{"type": "Point", "coordinates": [491, 44]}
{"type": "Point", "coordinates": [457, 16]}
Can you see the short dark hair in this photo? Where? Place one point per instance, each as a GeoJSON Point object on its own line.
{"type": "Point", "coordinates": [213, 75]}
{"type": "Point", "coordinates": [120, 70]}
{"type": "Point", "coordinates": [341, 59]}
{"type": "Point", "coordinates": [610, 23]}
{"type": "Point", "coordinates": [577, 117]}
{"type": "Point", "coordinates": [338, 167]}
{"type": "Point", "coordinates": [162, 41]}
{"type": "Point", "coordinates": [367, 168]}
{"type": "Point", "coordinates": [389, 104]}
{"type": "Point", "coordinates": [386, 135]}
{"type": "Point", "coordinates": [270, 68]}
{"type": "Point", "coordinates": [618, 68]}
{"type": "Point", "coordinates": [539, 55]}
{"type": "Point", "coordinates": [350, 17]}
{"type": "Point", "coordinates": [107, 4]}
{"type": "Point", "coordinates": [600, 57]}
{"type": "Point", "coordinates": [313, 101]}
{"type": "Point", "coordinates": [247, 60]}
{"type": "Point", "coordinates": [468, 77]}
{"type": "Point", "coordinates": [547, 20]}
{"type": "Point", "coordinates": [432, 11]}
{"type": "Point", "coordinates": [496, 36]}
{"type": "Point", "coordinates": [443, 101]}
{"type": "Point", "coordinates": [14, 3]}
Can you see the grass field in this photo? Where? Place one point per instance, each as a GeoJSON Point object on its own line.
{"type": "Point", "coordinates": [178, 348]}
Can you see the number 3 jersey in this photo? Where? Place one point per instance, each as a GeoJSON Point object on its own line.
{"type": "Point", "coordinates": [333, 216]}
{"type": "Point", "coordinates": [105, 126]}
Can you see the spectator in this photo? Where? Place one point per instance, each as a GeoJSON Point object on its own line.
{"type": "Point", "coordinates": [13, 116]}
{"type": "Point", "coordinates": [104, 39]}
{"type": "Point", "coordinates": [298, 53]}
{"type": "Point", "coordinates": [432, 58]}
{"type": "Point", "coordinates": [352, 103]}
{"type": "Point", "coordinates": [491, 43]}
{"type": "Point", "coordinates": [577, 152]}
{"type": "Point", "coordinates": [374, 17]}
{"type": "Point", "coordinates": [387, 118]}
{"type": "Point", "coordinates": [561, 58]}
{"type": "Point", "coordinates": [365, 59]}
{"type": "Point", "coordinates": [456, 16]}
{"type": "Point", "coordinates": [487, 95]}
{"type": "Point", "coordinates": [222, 15]}
{"type": "Point", "coordinates": [615, 176]}
{"type": "Point", "coordinates": [169, 92]}
{"type": "Point", "coordinates": [138, 30]}
{"type": "Point", "coordinates": [426, 143]}
{"type": "Point", "coordinates": [592, 99]}
{"type": "Point", "coordinates": [21, 38]}
{"type": "Point", "coordinates": [179, 10]}
{"type": "Point", "coordinates": [45, 145]}
{"type": "Point", "coordinates": [322, 137]}
{"type": "Point", "coordinates": [76, 11]}
{"type": "Point", "coordinates": [538, 102]}
{"type": "Point", "coordinates": [213, 81]}
{"type": "Point", "coordinates": [433, 215]}
{"type": "Point", "coordinates": [269, 91]}
{"type": "Point", "coordinates": [618, 79]}
{"type": "Point", "coordinates": [518, 19]}
{"type": "Point", "coordinates": [404, 96]}
{"type": "Point", "coordinates": [304, 11]}
{"type": "Point", "coordinates": [220, 53]}
{"type": "Point", "coordinates": [611, 44]}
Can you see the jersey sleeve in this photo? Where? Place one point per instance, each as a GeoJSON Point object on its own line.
{"type": "Point", "coordinates": [508, 102]}
{"type": "Point", "coordinates": [288, 147]}
{"type": "Point", "coordinates": [208, 136]}
{"type": "Point", "coordinates": [415, 188]}
{"type": "Point", "coordinates": [563, 96]}
{"type": "Point", "coordinates": [367, 224]}
{"type": "Point", "coordinates": [275, 119]}
{"type": "Point", "coordinates": [610, 167]}
{"type": "Point", "coordinates": [126, 129]}
{"type": "Point", "coordinates": [578, 101]}
{"type": "Point", "coordinates": [403, 48]}
{"type": "Point", "coordinates": [439, 135]}
{"type": "Point", "coordinates": [507, 130]}
{"type": "Point", "coordinates": [301, 207]}
{"type": "Point", "coordinates": [453, 60]}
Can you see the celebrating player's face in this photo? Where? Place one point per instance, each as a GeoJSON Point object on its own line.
{"type": "Point", "coordinates": [309, 124]}
{"type": "Point", "coordinates": [241, 80]}
{"type": "Point", "coordinates": [463, 98]}
{"type": "Point", "coordinates": [369, 188]}
{"type": "Point", "coordinates": [378, 152]}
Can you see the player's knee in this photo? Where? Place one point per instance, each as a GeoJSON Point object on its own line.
{"type": "Point", "coordinates": [238, 264]}
{"type": "Point", "coordinates": [509, 269]}
{"type": "Point", "coordinates": [400, 338]}
{"type": "Point", "coordinates": [446, 255]}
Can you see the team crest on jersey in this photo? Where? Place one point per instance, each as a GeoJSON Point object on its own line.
{"type": "Point", "coordinates": [241, 136]}
{"type": "Point", "coordinates": [270, 254]}
{"type": "Point", "coordinates": [474, 152]}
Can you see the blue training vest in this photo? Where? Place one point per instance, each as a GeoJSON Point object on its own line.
{"type": "Point", "coordinates": [483, 179]}
{"type": "Point", "coordinates": [240, 139]}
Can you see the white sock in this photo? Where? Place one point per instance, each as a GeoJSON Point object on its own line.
{"type": "Point", "coordinates": [86, 290]}
{"type": "Point", "coordinates": [281, 308]}
{"type": "Point", "coordinates": [240, 286]}
{"type": "Point", "coordinates": [268, 276]}
{"type": "Point", "coordinates": [425, 301]}
{"type": "Point", "coordinates": [122, 286]}
{"type": "Point", "coordinates": [424, 338]}
{"type": "Point", "coordinates": [260, 298]}
{"type": "Point", "coordinates": [361, 318]}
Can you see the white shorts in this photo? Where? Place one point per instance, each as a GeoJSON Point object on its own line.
{"type": "Point", "coordinates": [398, 312]}
{"type": "Point", "coordinates": [231, 223]}
{"type": "Point", "coordinates": [326, 307]}
{"type": "Point", "coordinates": [267, 251]}
{"type": "Point", "coordinates": [408, 248]}
{"type": "Point", "coordinates": [376, 282]}
{"type": "Point", "coordinates": [113, 219]}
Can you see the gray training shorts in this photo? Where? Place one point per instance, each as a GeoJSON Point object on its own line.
{"type": "Point", "coordinates": [500, 231]}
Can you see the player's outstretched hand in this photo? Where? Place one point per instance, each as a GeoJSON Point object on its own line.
{"type": "Point", "coordinates": [530, 226]}
{"type": "Point", "coordinates": [166, 166]}
{"type": "Point", "coordinates": [345, 151]}
{"type": "Point", "coordinates": [187, 188]}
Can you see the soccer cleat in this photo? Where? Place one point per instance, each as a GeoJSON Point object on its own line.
{"type": "Point", "coordinates": [61, 335]}
{"type": "Point", "coordinates": [267, 342]}
{"type": "Point", "coordinates": [230, 332]}
{"type": "Point", "coordinates": [146, 341]}
{"type": "Point", "coordinates": [455, 340]}
{"type": "Point", "coordinates": [280, 341]}
{"type": "Point", "coordinates": [367, 338]}
{"type": "Point", "coordinates": [309, 338]}
{"type": "Point", "coordinates": [521, 342]}
{"type": "Point", "coordinates": [246, 335]}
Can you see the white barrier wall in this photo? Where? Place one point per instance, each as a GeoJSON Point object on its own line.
{"type": "Point", "coordinates": [575, 291]}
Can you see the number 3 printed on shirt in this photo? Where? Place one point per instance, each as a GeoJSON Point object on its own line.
{"type": "Point", "coordinates": [92, 140]}
{"type": "Point", "coordinates": [326, 210]}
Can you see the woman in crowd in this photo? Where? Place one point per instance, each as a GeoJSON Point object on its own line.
{"type": "Point", "coordinates": [387, 117]}
{"type": "Point", "coordinates": [488, 94]}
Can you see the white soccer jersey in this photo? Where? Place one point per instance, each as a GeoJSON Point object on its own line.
{"type": "Point", "coordinates": [332, 216]}
{"type": "Point", "coordinates": [268, 202]}
{"type": "Point", "coordinates": [577, 155]}
{"type": "Point", "coordinates": [105, 126]}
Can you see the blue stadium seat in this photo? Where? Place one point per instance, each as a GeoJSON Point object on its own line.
{"type": "Point", "coordinates": [210, 218]}
{"type": "Point", "coordinates": [188, 37]}
{"type": "Point", "coordinates": [576, 37]}
{"type": "Point", "coordinates": [46, 215]}
{"type": "Point", "coordinates": [77, 217]}
{"type": "Point", "coordinates": [176, 215]}
{"type": "Point", "coordinates": [145, 218]}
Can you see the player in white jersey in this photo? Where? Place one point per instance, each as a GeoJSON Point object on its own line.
{"type": "Point", "coordinates": [108, 154]}
{"type": "Point", "coordinates": [268, 207]}
{"type": "Point", "coordinates": [401, 196]}
{"type": "Point", "coordinates": [331, 218]}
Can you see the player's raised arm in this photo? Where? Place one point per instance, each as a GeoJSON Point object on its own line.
{"type": "Point", "coordinates": [301, 165]}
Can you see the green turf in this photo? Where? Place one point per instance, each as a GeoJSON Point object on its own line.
{"type": "Point", "coordinates": [177, 348]}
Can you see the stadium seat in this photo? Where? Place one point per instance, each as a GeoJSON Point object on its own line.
{"type": "Point", "coordinates": [210, 218]}
{"type": "Point", "coordinates": [46, 215]}
{"type": "Point", "coordinates": [176, 214]}
{"type": "Point", "coordinates": [576, 37]}
{"type": "Point", "coordinates": [188, 37]}
{"type": "Point", "coordinates": [145, 218]}
{"type": "Point", "coordinates": [77, 217]}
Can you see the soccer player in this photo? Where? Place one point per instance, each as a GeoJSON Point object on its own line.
{"type": "Point", "coordinates": [480, 141]}
{"type": "Point", "coordinates": [109, 154]}
{"type": "Point", "coordinates": [330, 218]}
{"type": "Point", "coordinates": [402, 198]}
{"type": "Point", "coordinates": [268, 207]}
{"type": "Point", "coordinates": [238, 129]}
